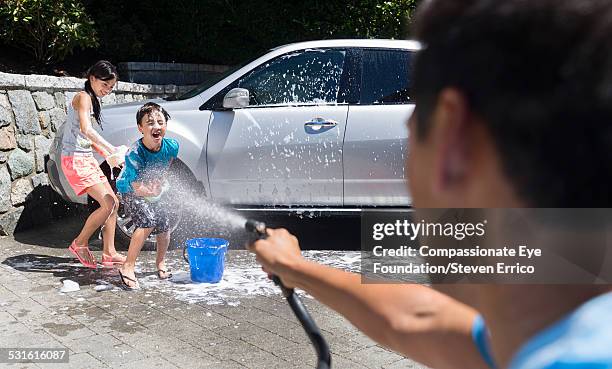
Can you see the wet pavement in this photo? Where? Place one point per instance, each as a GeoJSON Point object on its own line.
{"type": "Point", "coordinates": [242, 322]}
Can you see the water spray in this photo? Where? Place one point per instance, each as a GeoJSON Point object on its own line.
{"type": "Point", "coordinates": [258, 230]}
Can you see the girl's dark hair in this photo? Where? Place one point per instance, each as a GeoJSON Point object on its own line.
{"type": "Point", "coordinates": [105, 71]}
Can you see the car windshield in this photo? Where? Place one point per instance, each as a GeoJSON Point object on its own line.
{"type": "Point", "coordinates": [210, 81]}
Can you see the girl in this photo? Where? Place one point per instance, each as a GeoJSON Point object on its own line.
{"type": "Point", "coordinates": [81, 168]}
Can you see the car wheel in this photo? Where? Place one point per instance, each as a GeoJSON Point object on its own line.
{"type": "Point", "coordinates": [125, 225]}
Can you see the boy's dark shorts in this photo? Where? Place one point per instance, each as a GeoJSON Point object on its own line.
{"type": "Point", "coordinates": [146, 214]}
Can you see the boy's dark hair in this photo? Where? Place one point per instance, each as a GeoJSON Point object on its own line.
{"type": "Point", "coordinates": [539, 73]}
{"type": "Point", "coordinates": [104, 71]}
{"type": "Point", "coordinates": [148, 108]}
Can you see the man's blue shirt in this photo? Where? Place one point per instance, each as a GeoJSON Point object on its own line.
{"type": "Point", "coordinates": [581, 340]}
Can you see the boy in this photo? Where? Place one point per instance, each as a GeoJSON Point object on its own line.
{"type": "Point", "coordinates": [142, 185]}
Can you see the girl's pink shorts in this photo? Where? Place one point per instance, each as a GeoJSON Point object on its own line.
{"type": "Point", "coordinates": [82, 172]}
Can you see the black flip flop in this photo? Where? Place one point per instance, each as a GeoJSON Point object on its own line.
{"type": "Point", "coordinates": [160, 271]}
{"type": "Point", "coordinates": [126, 286]}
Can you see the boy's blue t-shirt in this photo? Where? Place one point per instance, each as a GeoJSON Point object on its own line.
{"type": "Point", "coordinates": [142, 164]}
{"type": "Point", "coordinates": [581, 340]}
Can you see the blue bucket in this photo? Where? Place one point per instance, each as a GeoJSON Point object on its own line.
{"type": "Point", "coordinates": [206, 258]}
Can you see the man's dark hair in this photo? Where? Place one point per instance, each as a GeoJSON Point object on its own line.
{"type": "Point", "coordinates": [539, 73]}
{"type": "Point", "coordinates": [148, 108]}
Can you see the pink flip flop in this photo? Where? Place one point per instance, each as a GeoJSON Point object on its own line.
{"type": "Point", "coordinates": [89, 261]}
{"type": "Point", "coordinates": [112, 261]}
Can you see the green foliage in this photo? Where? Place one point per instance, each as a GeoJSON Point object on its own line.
{"type": "Point", "coordinates": [47, 29]}
{"type": "Point", "coordinates": [360, 18]}
{"type": "Point", "coordinates": [230, 31]}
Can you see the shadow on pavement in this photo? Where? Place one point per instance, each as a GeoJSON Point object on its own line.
{"type": "Point", "coordinates": [61, 267]}
{"type": "Point", "coordinates": [56, 234]}
{"type": "Point", "coordinates": [319, 233]}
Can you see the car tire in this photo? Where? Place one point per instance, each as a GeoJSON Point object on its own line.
{"type": "Point", "coordinates": [125, 227]}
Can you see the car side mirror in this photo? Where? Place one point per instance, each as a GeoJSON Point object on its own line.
{"type": "Point", "coordinates": [236, 98]}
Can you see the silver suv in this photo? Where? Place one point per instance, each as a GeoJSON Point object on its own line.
{"type": "Point", "coordinates": [316, 126]}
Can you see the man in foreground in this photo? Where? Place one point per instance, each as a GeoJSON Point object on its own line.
{"type": "Point", "coordinates": [514, 110]}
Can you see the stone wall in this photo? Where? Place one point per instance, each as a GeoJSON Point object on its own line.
{"type": "Point", "coordinates": [32, 107]}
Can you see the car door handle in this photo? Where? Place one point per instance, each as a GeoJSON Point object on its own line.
{"type": "Point", "coordinates": [320, 122]}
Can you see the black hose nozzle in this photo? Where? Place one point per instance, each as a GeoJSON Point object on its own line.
{"type": "Point", "coordinates": [256, 228]}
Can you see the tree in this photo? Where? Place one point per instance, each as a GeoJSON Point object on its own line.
{"type": "Point", "coordinates": [356, 18]}
{"type": "Point", "coordinates": [231, 31]}
{"type": "Point", "coordinates": [49, 30]}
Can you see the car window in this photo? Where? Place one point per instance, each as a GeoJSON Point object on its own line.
{"type": "Point", "coordinates": [385, 77]}
{"type": "Point", "coordinates": [211, 81]}
{"type": "Point", "coordinates": [307, 76]}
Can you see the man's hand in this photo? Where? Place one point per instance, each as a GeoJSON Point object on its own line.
{"type": "Point", "coordinates": [278, 254]}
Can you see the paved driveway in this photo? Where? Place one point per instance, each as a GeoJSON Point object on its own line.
{"type": "Point", "coordinates": [243, 322]}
